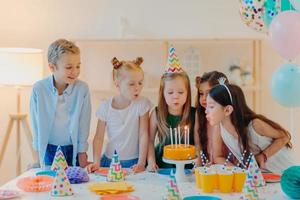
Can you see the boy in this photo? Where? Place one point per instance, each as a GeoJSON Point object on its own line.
{"type": "Point", "coordinates": [60, 108]}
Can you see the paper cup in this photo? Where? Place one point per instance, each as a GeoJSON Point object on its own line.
{"type": "Point", "coordinates": [239, 178]}
{"type": "Point", "coordinates": [225, 181]}
{"type": "Point", "coordinates": [208, 180]}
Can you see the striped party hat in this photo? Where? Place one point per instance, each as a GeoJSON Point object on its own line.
{"type": "Point", "coordinates": [173, 64]}
{"type": "Point", "coordinates": [59, 160]}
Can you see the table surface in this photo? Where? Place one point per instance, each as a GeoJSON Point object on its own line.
{"type": "Point", "coordinates": [147, 185]}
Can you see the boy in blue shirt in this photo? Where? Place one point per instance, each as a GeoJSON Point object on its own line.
{"type": "Point", "coordinates": [60, 108]}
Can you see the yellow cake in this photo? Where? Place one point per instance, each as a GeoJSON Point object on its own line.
{"type": "Point", "coordinates": [179, 152]}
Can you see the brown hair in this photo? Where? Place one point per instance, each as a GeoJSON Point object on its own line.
{"type": "Point", "coordinates": [212, 79]}
{"type": "Point", "coordinates": [119, 66]}
{"type": "Point", "coordinates": [242, 115]}
{"type": "Point", "coordinates": [162, 108]}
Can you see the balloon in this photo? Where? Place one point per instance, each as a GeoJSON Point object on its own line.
{"type": "Point", "coordinates": [296, 4]}
{"type": "Point", "coordinates": [273, 8]}
{"type": "Point", "coordinates": [285, 85]}
{"type": "Point", "coordinates": [251, 12]}
{"type": "Point", "coordinates": [284, 34]}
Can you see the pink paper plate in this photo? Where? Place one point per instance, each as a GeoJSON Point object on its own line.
{"type": "Point", "coordinates": [8, 194]}
{"type": "Point", "coordinates": [119, 197]}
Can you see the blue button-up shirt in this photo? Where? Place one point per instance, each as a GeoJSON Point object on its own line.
{"type": "Point", "coordinates": [43, 102]}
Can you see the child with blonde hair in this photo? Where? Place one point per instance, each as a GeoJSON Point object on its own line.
{"type": "Point", "coordinates": [173, 110]}
{"type": "Point", "coordinates": [126, 117]}
{"type": "Point", "coordinates": [60, 108]}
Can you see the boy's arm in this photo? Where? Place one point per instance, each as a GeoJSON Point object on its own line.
{"type": "Point", "coordinates": [34, 124]}
{"type": "Point", "coordinates": [84, 130]}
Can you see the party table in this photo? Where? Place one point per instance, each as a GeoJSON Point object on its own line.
{"type": "Point", "coordinates": [147, 185]}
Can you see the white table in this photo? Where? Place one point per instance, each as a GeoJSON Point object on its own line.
{"type": "Point", "coordinates": [148, 186]}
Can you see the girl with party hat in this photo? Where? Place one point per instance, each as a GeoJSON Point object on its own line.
{"type": "Point", "coordinates": [126, 117]}
{"type": "Point", "coordinates": [173, 110]}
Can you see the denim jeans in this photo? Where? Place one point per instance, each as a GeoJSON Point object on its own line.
{"type": "Point", "coordinates": [67, 151]}
{"type": "Point", "coordinates": [105, 162]}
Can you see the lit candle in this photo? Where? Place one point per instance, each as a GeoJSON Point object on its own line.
{"type": "Point", "coordinates": [176, 137]}
{"type": "Point", "coordinates": [171, 135]}
{"type": "Point", "coordinates": [185, 136]}
{"type": "Point", "coordinates": [188, 136]}
{"type": "Point", "coordinates": [179, 135]}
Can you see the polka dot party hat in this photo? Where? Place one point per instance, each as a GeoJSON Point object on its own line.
{"type": "Point", "coordinates": [61, 185]}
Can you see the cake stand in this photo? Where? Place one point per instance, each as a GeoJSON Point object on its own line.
{"type": "Point", "coordinates": [180, 175]}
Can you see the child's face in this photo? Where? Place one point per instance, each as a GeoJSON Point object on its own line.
{"type": "Point", "coordinates": [215, 113]}
{"type": "Point", "coordinates": [67, 68]}
{"type": "Point", "coordinates": [203, 91]}
{"type": "Point", "coordinates": [131, 84]}
{"type": "Point", "coordinates": [175, 93]}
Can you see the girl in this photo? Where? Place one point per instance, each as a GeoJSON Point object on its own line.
{"type": "Point", "coordinates": [126, 116]}
{"type": "Point", "coordinates": [243, 129]}
{"type": "Point", "coordinates": [203, 132]}
{"type": "Point", "coordinates": [173, 110]}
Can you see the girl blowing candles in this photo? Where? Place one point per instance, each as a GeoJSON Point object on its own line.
{"type": "Point", "coordinates": [173, 110]}
{"type": "Point", "coordinates": [204, 132]}
{"type": "Point", "coordinates": [243, 129]}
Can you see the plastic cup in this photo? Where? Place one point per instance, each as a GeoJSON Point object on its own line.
{"type": "Point", "coordinates": [239, 178]}
{"type": "Point", "coordinates": [225, 181]}
{"type": "Point", "coordinates": [198, 175]}
{"type": "Point", "coordinates": [208, 180]}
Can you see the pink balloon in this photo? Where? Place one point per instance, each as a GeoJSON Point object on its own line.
{"type": "Point", "coordinates": [284, 34]}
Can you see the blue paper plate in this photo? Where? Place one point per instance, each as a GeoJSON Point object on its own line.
{"type": "Point", "coordinates": [167, 171]}
{"type": "Point", "coordinates": [47, 173]}
{"type": "Point", "coordinates": [201, 198]}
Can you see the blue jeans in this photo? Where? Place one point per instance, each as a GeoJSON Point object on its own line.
{"type": "Point", "coordinates": [67, 151]}
{"type": "Point", "coordinates": [105, 162]}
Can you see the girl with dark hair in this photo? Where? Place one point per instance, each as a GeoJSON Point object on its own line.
{"type": "Point", "coordinates": [203, 131]}
{"type": "Point", "coordinates": [243, 129]}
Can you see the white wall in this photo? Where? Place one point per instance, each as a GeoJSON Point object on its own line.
{"type": "Point", "coordinates": [36, 23]}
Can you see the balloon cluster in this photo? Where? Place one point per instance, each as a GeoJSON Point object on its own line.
{"type": "Point", "coordinates": [281, 20]}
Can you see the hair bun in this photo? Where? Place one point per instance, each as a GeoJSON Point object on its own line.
{"type": "Point", "coordinates": [197, 81]}
{"type": "Point", "coordinates": [139, 60]}
{"type": "Point", "coordinates": [116, 63]}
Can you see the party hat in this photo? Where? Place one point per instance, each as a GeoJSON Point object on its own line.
{"type": "Point", "coordinates": [61, 185]}
{"type": "Point", "coordinates": [59, 160]}
{"type": "Point", "coordinates": [253, 168]}
{"type": "Point", "coordinates": [249, 190]}
{"type": "Point", "coordinates": [115, 172]}
{"type": "Point", "coordinates": [172, 192]}
{"type": "Point", "coordinates": [173, 64]}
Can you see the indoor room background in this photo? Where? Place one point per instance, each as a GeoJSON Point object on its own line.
{"type": "Point", "coordinates": [210, 30]}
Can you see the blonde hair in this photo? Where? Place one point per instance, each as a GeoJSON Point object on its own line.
{"type": "Point", "coordinates": [59, 47]}
{"type": "Point", "coordinates": [120, 66]}
{"type": "Point", "coordinates": [162, 108]}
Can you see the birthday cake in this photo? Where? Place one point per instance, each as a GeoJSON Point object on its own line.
{"type": "Point", "coordinates": [179, 152]}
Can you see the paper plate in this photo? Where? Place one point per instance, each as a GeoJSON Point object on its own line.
{"type": "Point", "coordinates": [119, 197]}
{"type": "Point", "coordinates": [271, 177]}
{"type": "Point", "coordinates": [46, 173]}
{"type": "Point", "coordinates": [36, 183]}
{"type": "Point", "coordinates": [104, 171]}
{"type": "Point", "coordinates": [201, 198]}
{"type": "Point", "coordinates": [167, 171]}
{"type": "Point", "coordinates": [8, 194]}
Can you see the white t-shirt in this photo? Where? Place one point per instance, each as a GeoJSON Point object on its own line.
{"type": "Point", "coordinates": [123, 127]}
{"type": "Point", "coordinates": [60, 134]}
